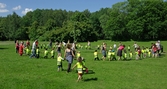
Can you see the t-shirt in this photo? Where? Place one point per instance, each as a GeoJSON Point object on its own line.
{"type": "Point", "coordinates": [121, 48]}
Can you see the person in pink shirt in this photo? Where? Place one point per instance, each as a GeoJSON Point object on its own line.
{"type": "Point", "coordinates": [119, 52]}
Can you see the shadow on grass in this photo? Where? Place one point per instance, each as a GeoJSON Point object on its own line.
{"type": "Point", "coordinates": [162, 55]}
{"type": "Point", "coordinates": [90, 79]}
{"type": "Point", "coordinates": [3, 48]}
{"type": "Point", "coordinates": [90, 72]}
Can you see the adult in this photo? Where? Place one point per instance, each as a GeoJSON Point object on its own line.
{"type": "Point", "coordinates": [68, 55]}
{"type": "Point", "coordinates": [135, 45]}
{"type": "Point", "coordinates": [34, 46]}
{"type": "Point", "coordinates": [103, 50]}
{"type": "Point", "coordinates": [119, 52]}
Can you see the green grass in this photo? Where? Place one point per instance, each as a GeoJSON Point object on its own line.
{"type": "Point", "coordinates": [24, 73]}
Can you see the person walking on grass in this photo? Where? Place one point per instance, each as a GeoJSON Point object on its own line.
{"type": "Point", "coordinates": [59, 62]}
{"type": "Point", "coordinates": [34, 46]}
{"type": "Point", "coordinates": [80, 67]}
{"type": "Point", "coordinates": [119, 52]}
{"type": "Point", "coordinates": [21, 47]}
{"type": "Point", "coordinates": [17, 46]}
{"type": "Point", "coordinates": [69, 55]}
{"type": "Point", "coordinates": [103, 50]}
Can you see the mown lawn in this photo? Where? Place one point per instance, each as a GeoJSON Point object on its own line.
{"type": "Point", "coordinates": [21, 72]}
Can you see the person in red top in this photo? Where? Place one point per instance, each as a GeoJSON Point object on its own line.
{"type": "Point", "coordinates": [119, 52]}
{"type": "Point", "coordinates": [36, 43]}
{"type": "Point", "coordinates": [28, 44]}
{"type": "Point", "coordinates": [154, 49]}
{"type": "Point", "coordinates": [21, 49]}
{"type": "Point", "coordinates": [17, 46]}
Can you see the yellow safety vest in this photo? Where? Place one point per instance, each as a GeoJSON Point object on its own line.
{"type": "Point", "coordinates": [79, 67]}
{"type": "Point", "coordinates": [95, 54]}
{"type": "Point", "coordinates": [59, 60]}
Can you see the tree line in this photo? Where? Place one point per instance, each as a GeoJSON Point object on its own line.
{"type": "Point", "coordinates": [139, 20]}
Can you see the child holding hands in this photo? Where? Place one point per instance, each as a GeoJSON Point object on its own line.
{"type": "Point", "coordinates": [80, 67]}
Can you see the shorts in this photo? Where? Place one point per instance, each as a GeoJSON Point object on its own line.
{"type": "Point", "coordinates": [80, 74]}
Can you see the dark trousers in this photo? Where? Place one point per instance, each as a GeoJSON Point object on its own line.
{"type": "Point", "coordinates": [69, 67]}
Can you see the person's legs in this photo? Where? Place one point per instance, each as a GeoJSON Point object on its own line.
{"type": "Point", "coordinates": [33, 54]}
{"type": "Point", "coordinates": [69, 67]}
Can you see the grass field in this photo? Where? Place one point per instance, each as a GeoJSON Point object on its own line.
{"type": "Point", "coordinates": [21, 72]}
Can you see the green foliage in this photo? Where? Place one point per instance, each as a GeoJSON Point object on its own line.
{"type": "Point", "coordinates": [128, 20]}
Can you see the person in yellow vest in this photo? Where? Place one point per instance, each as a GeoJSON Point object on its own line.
{"type": "Point", "coordinates": [28, 52]}
{"type": "Point", "coordinates": [52, 53]}
{"type": "Point", "coordinates": [84, 69]}
{"type": "Point", "coordinates": [37, 52]}
{"type": "Point", "coordinates": [147, 50]}
{"type": "Point", "coordinates": [96, 55]}
{"type": "Point", "coordinates": [130, 55]}
{"type": "Point", "coordinates": [86, 47]}
{"type": "Point", "coordinates": [129, 48]}
{"type": "Point", "coordinates": [46, 53]}
{"type": "Point", "coordinates": [113, 57]}
{"type": "Point", "coordinates": [59, 62]}
{"type": "Point", "coordinates": [78, 54]}
{"type": "Point", "coordinates": [149, 53]}
{"type": "Point", "coordinates": [109, 55]}
{"type": "Point", "coordinates": [80, 67]}
{"type": "Point", "coordinates": [125, 56]}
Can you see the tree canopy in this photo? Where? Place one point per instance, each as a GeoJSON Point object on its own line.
{"type": "Point", "coordinates": [128, 20]}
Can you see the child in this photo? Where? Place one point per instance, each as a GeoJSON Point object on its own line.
{"type": "Point", "coordinates": [113, 55]}
{"type": "Point", "coordinates": [125, 55]}
{"type": "Point", "coordinates": [86, 46]}
{"type": "Point", "coordinates": [37, 52]}
{"type": "Point", "coordinates": [84, 69]}
{"type": "Point", "coordinates": [21, 46]}
{"type": "Point", "coordinates": [130, 55]}
{"type": "Point", "coordinates": [138, 53]}
{"type": "Point", "coordinates": [149, 53]}
{"type": "Point", "coordinates": [46, 53]}
{"type": "Point", "coordinates": [52, 53]}
{"type": "Point", "coordinates": [17, 46]}
{"type": "Point", "coordinates": [129, 48]}
{"type": "Point", "coordinates": [96, 55]}
{"type": "Point", "coordinates": [59, 62]}
{"type": "Point", "coordinates": [109, 55]}
{"type": "Point", "coordinates": [98, 47]}
{"type": "Point", "coordinates": [80, 67]}
{"type": "Point", "coordinates": [78, 54]}
{"type": "Point", "coordinates": [27, 51]}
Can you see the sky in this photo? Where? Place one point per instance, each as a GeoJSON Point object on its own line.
{"type": "Point", "coordinates": [21, 7]}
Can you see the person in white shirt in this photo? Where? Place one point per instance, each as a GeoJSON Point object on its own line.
{"type": "Point", "coordinates": [33, 49]}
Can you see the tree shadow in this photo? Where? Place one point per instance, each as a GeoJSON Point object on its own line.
{"type": "Point", "coordinates": [3, 48]}
{"type": "Point", "coordinates": [90, 79]}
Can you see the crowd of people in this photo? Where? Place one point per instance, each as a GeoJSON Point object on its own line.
{"type": "Point", "coordinates": [71, 52]}
{"type": "Point", "coordinates": [127, 53]}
